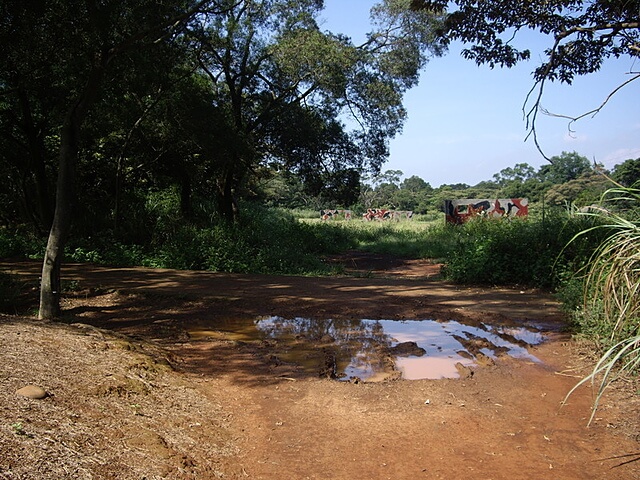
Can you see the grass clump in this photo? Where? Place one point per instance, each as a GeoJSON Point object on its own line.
{"type": "Point", "coordinates": [405, 239]}
{"type": "Point", "coordinates": [610, 313]}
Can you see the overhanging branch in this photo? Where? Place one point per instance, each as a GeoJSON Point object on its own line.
{"type": "Point", "coordinates": [532, 115]}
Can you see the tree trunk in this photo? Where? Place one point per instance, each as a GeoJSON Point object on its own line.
{"type": "Point", "coordinates": [65, 194]}
{"type": "Point", "coordinates": [227, 206]}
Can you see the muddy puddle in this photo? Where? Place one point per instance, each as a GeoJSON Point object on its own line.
{"type": "Point", "coordinates": [371, 350]}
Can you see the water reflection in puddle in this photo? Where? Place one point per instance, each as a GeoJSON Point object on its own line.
{"type": "Point", "coordinates": [363, 348]}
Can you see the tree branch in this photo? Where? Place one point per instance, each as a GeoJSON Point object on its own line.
{"type": "Point", "coordinates": [594, 111]}
{"type": "Point", "coordinates": [616, 27]}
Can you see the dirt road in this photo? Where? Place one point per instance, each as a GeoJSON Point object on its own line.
{"type": "Point", "coordinates": [249, 414]}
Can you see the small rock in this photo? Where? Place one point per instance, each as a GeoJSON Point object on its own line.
{"type": "Point", "coordinates": [32, 391]}
{"type": "Point", "coordinates": [407, 349]}
{"type": "Point", "coordinates": [463, 370]}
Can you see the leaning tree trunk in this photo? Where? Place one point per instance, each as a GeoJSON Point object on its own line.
{"type": "Point", "coordinates": [69, 138]}
{"type": "Point", "coordinates": [65, 194]}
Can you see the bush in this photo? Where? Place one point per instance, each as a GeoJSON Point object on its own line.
{"type": "Point", "coordinates": [21, 242]}
{"type": "Point", "coordinates": [525, 252]}
{"type": "Point", "coordinates": [570, 291]}
{"type": "Point", "coordinates": [263, 241]}
{"type": "Point", "coordinates": [272, 241]}
{"type": "Point", "coordinates": [104, 249]}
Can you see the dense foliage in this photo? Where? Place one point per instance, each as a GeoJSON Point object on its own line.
{"type": "Point", "coordinates": [521, 252]}
{"type": "Point", "coordinates": [239, 92]}
{"type": "Point", "coordinates": [102, 104]}
{"type": "Point", "coordinates": [531, 252]}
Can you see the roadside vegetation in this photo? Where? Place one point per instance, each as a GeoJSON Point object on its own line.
{"type": "Point", "coordinates": [533, 252]}
{"type": "Point", "coordinates": [550, 249]}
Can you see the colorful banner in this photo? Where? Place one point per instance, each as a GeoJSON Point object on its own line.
{"type": "Point", "coordinates": [459, 211]}
{"type": "Point", "coordinates": [385, 214]}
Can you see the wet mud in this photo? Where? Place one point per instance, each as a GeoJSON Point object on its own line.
{"type": "Point", "coordinates": [375, 350]}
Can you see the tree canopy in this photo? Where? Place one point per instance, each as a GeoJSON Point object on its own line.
{"type": "Point", "coordinates": [627, 173]}
{"type": "Point", "coordinates": [291, 98]}
{"type": "Point", "coordinates": [583, 34]}
{"type": "Point", "coordinates": [109, 102]}
{"type": "Point", "coordinates": [288, 87]}
{"type": "Point", "coordinates": [565, 167]}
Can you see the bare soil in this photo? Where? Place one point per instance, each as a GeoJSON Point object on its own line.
{"type": "Point", "coordinates": [132, 394]}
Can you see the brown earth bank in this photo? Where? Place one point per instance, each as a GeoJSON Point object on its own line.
{"type": "Point", "coordinates": [133, 391]}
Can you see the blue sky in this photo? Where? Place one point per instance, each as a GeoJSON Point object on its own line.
{"type": "Point", "coordinates": [466, 123]}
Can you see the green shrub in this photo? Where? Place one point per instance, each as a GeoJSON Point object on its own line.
{"type": "Point", "coordinates": [104, 249]}
{"type": "Point", "coordinates": [20, 242]}
{"type": "Point", "coordinates": [263, 241]}
{"type": "Point", "coordinates": [524, 252]}
{"type": "Point", "coordinates": [570, 291]}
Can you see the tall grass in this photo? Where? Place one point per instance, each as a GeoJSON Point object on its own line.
{"type": "Point", "coordinates": [406, 239]}
{"type": "Point", "coordinates": [420, 237]}
{"type": "Point", "coordinates": [611, 307]}
{"type": "Point", "coordinates": [526, 252]}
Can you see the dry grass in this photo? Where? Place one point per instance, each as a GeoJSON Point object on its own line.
{"type": "Point", "coordinates": [115, 409]}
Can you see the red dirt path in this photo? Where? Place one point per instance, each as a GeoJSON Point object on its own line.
{"type": "Point", "coordinates": [503, 422]}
